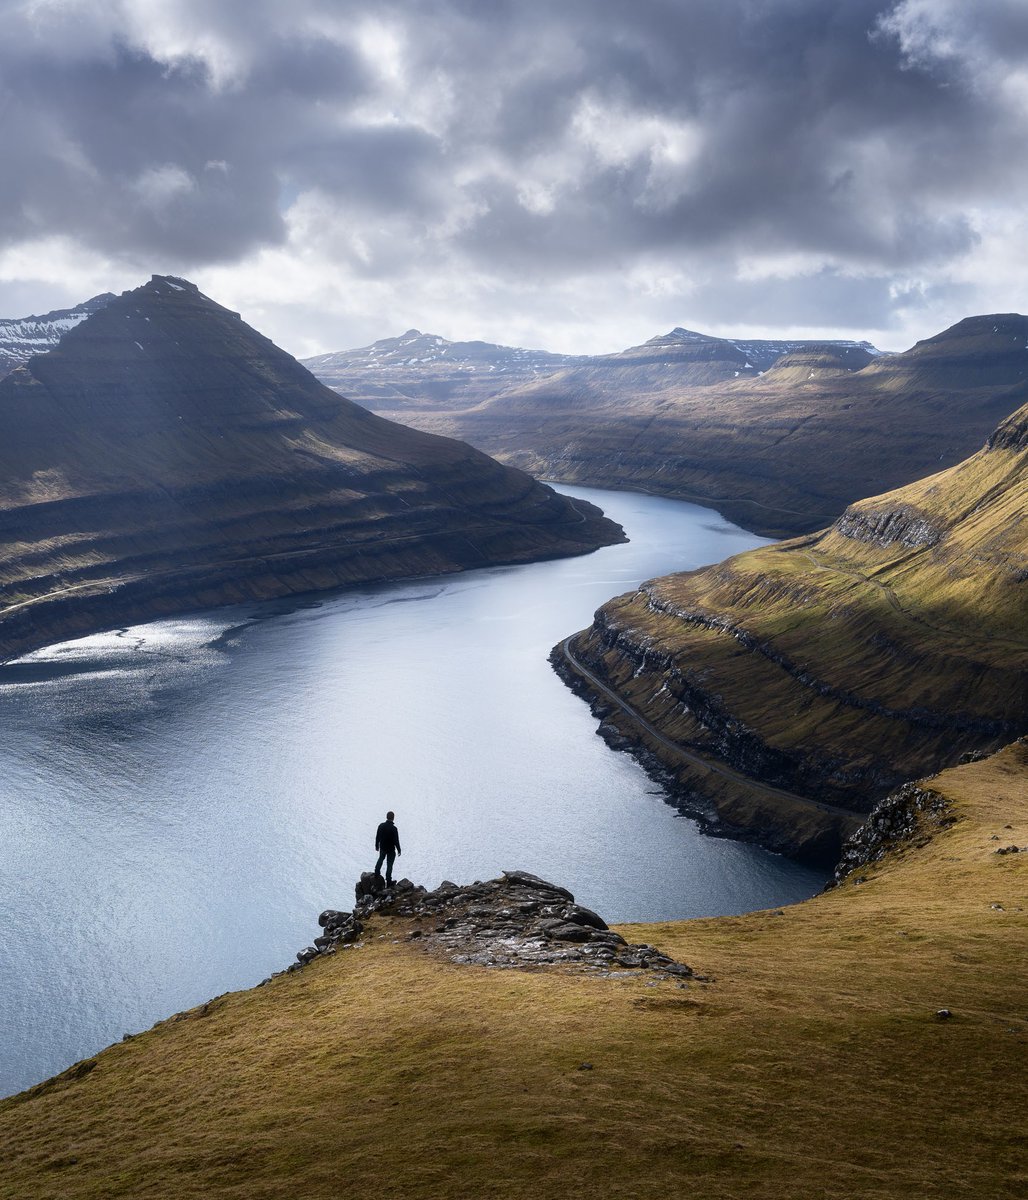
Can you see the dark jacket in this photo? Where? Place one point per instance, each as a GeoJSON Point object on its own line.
{"type": "Point", "coordinates": [388, 837]}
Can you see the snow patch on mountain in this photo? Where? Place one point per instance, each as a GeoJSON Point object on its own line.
{"type": "Point", "coordinates": [22, 337]}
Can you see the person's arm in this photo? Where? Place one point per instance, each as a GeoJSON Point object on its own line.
{"type": "Point", "coordinates": [378, 837]}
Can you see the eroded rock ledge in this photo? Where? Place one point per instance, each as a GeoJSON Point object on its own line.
{"type": "Point", "coordinates": [516, 920]}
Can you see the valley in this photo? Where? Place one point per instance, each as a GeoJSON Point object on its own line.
{"type": "Point", "coordinates": [779, 437]}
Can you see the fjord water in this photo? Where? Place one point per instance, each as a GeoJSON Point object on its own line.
{"type": "Point", "coordinates": [181, 799]}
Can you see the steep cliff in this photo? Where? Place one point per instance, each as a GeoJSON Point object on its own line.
{"type": "Point", "coordinates": [831, 668]}
{"type": "Point", "coordinates": [780, 453]}
{"type": "Point", "coordinates": [165, 456]}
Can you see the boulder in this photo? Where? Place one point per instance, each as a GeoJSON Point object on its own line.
{"type": "Point", "coordinates": [369, 884]}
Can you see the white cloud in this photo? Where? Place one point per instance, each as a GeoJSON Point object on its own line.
{"type": "Point", "coordinates": [577, 176]}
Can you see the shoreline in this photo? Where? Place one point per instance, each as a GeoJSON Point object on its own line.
{"type": "Point", "coordinates": [822, 843]}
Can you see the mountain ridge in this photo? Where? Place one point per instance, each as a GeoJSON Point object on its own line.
{"type": "Point", "coordinates": [165, 456]}
{"type": "Point", "coordinates": [23, 337]}
{"type": "Point", "coordinates": [415, 370]}
{"type": "Point", "coordinates": [781, 454]}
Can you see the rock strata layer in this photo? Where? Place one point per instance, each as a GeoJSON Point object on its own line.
{"type": "Point", "coordinates": [516, 920]}
{"type": "Point", "coordinates": [166, 457]}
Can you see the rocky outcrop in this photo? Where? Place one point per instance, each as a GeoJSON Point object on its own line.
{"type": "Point", "coordinates": [883, 527]}
{"type": "Point", "coordinates": [166, 457]}
{"type": "Point", "coordinates": [902, 819]}
{"type": "Point", "coordinates": [516, 920]}
{"type": "Point", "coordinates": [1012, 433]}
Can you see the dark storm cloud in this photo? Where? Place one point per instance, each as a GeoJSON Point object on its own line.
{"type": "Point", "coordinates": [519, 136]}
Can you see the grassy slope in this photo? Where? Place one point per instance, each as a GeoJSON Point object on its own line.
{"type": "Point", "coordinates": [850, 661]}
{"type": "Point", "coordinates": [813, 1065]}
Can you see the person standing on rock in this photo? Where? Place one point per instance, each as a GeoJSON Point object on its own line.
{"type": "Point", "coordinates": [387, 843]}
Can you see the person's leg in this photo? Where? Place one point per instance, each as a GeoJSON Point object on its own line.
{"type": "Point", "coordinates": [390, 859]}
{"type": "Point", "coordinates": [378, 865]}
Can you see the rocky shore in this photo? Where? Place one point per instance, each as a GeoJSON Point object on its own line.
{"type": "Point", "coordinates": [514, 921]}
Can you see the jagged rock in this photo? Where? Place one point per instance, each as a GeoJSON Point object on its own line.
{"type": "Point", "coordinates": [533, 881]}
{"type": "Point", "coordinates": [369, 884]}
{"type": "Point", "coordinates": [892, 820]}
{"type": "Point", "coordinates": [564, 932]}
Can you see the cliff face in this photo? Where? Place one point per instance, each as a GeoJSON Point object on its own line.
{"type": "Point", "coordinates": [780, 453]}
{"type": "Point", "coordinates": [834, 667]}
{"type": "Point", "coordinates": [165, 456]}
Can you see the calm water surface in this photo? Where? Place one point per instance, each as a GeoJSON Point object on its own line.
{"type": "Point", "coordinates": [181, 799]}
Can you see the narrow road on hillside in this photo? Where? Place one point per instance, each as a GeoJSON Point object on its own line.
{"type": "Point", "coordinates": [692, 758]}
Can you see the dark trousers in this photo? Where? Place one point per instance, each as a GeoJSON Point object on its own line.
{"type": "Point", "coordinates": [389, 856]}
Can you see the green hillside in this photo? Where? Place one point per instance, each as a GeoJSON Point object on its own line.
{"type": "Point", "coordinates": [835, 666]}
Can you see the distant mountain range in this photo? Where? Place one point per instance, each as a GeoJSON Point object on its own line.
{"type": "Point", "coordinates": [778, 435]}
{"type": "Point", "coordinates": [165, 457]}
{"type": "Point", "coordinates": [780, 452]}
{"type": "Point", "coordinates": [21, 337]}
{"type": "Point", "coordinates": [424, 372]}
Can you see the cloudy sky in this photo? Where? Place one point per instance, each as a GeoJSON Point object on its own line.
{"type": "Point", "coordinates": [570, 174]}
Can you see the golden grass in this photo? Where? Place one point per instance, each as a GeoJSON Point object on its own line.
{"type": "Point", "coordinates": [813, 1065]}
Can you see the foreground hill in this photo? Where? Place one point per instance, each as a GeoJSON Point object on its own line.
{"type": "Point", "coordinates": [831, 668]}
{"type": "Point", "coordinates": [811, 1061]}
{"type": "Point", "coordinates": [165, 456]}
{"type": "Point", "coordinates": [22, 337]}
{"type": "Point", "coordinates": [419, 370]}
{"type": "Point", "coordinates": [780, 453]}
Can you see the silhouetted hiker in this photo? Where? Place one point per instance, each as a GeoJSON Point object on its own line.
{"type": "Point", "coordinates": [387, 843]}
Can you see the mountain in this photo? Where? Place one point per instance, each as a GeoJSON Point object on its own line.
{"type": "Point", "coordinates": [780, 453]}
{"type": "Point", "coordinates": [22, 337]}
{"type": "Point", "coordinates": [794, 685]}
{"type": "Point", "coordinates": [868, 1042]}
{"type": "Point", "coordinates": [165, 456]}
{"type": "Point", "coordinates": [420, 370]}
